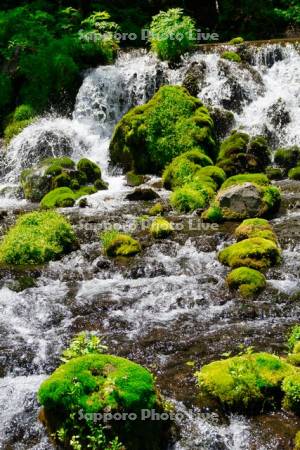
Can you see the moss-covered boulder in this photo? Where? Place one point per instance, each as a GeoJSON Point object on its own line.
{"type": "Point", "coordinates": [62, 197]}
{"type": "Point", "coordinates": [133, 179]}
{"type": "Point", "coordinates": [213, 214]}
{"type": "Point", "coordinates": [248, 282]}
{"type": "Point", "coordinates": [86, 396]}
{"type": "Point", "coordinates": [274, 173]}
{"type": "Point", "coordinates": [161, 228]}
{"type": "Point", "coordinates": [214, 172]}
{"type": "Point", "coordinates": [36, 238]}
{"type": "Point", "coordinates": [187, 199]}
{"type": "Point", "coordinates": [241, 154]}
{"type": "Point", "coordinates": [294, 346]}
{"type": "Point", "coordinates": [291, 389]}
{"type": "Point", "coordinates": [156, 210]}
{"type": "Point", "coordinates": [294, 174]}
{"type": "Point", "coordinates": [249, 383]}
{"type": "Point", "coordinates": [149, 136]}
{"type": "Point", "coordinates": [287, 158]}
{"type": "Point", "coordinates": [115, 244]}
{"type": "Point", "coordinates": [236, 41]}
{"type": "Point", "coordinates": [251, 228]}
{"type": "Point", "coordinates": [256, 253]}
{"type": "Point", "coordinates": [90, 169]}
{"type": "Point", "coordinates": [183, 168]}
{"type": "Point", "coordinates": [231, 56]}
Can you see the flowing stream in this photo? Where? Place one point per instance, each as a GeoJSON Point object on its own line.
{"type": "Point", "coordinates": [169, 308]}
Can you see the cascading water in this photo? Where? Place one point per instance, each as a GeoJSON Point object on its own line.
{"type": "Point", "coordinates": [168, 306]}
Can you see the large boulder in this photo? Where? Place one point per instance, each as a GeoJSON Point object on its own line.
{"type": "Point", "coordinates": [149, 136]}
{"type": "Point", "coordinates": [243, 200]}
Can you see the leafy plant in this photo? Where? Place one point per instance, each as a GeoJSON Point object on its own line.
{"type": "Point", "coordinates": [83, 344]}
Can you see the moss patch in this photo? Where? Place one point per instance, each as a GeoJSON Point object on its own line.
{"type": "Point", "coordinates": [294, 174]}
{"type": "Point", "coordinates": [119, 244]}
{"type": "Point", "coordinates": [256, 178]}
{"type": "Point", "coordinates": [231, 56]}
{"type": "Point", "coordinates": [187, 199]}
{"type": "Point", "coordinates": [247, 281]}
{"type": "Point", "coordinates": [156, 210]}
{"type": "Point", "coordinates": [161, 228]}
{"type": "Point", "coordinates": [37, 238]}
{"type": "Point", "coordinates": [251, 228]}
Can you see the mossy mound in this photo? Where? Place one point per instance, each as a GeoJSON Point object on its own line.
{"type": "Point", "coordinates": [249, 383]}
{"type": "Point", "coordinates": [294, 174]}
{"type": "Point", "coordinates": [287, 158]}
{"type": "Point", "coordinates": [62, 197]}
{"type": "Point", "coordinates": [256, 253]}
{"type": "Point", "coordinates": [161, 228]}
{"type": "Point", "coordinates": [274, 173]}
{"type": "Point", "coordinates": [187, 199]}
{"type": "Point", "coordinates": [294, 346]}
{"type": "Point", "coordinates": [183, 168]}
{"type": "Point", "coordinates": [156, 210]}
{"type": "Point", "coordinates": [236, 41]}
{"type": "Point", "coordinates": [98, 384]}
{"type": "Point", "coordinates": [214, 172]}
{"type": "Point", "coordinates": [251, 228]}
{"type": "Point", "coordinates": [149, 136]}
{"type": "Point", "coordinates": [36, 238]}
{"type": "Point", "coordinates": [22, 117]}
{"type": "Point", "coordinates": [241, 154]}
{"type": "Point", "coordinates": [119, 244]}
{"type": "Point", "coordinates": [291, 389]}
{"type": "Point", "coordinates": [231, 56]}
{"type": "Point", "coordinates": [54, 173]}
{"type": "Point", "coordinates": [213, 214]}
{"type": "Point", "coordinates": [256, 178]}
{"type": "Point", "coordinates": [133, 179]}
{"type": "Point", "coordinates": [248, 282]}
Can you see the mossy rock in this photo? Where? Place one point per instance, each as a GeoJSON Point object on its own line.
{"type": "Point", "coordinates": [287, 157]}
{"type": "Point", "coordinates": [183, 168]}
{"type": "Point", "coordinates": [36, 238]}
{"type": "Point", "coordinates": [115, 244]}
{"type": "Point", "coordinates": [100, 185]}
{"type": "Point", "coordinates": [256, 253]}
{"type": "Point", "coordinates": [291, 389]}
{"type": "Point", "coordinates": [62, 197]}
{"type": "Point", "coordinates": [236, 41]}
{"type": "Point", "coordinates": [231, 56]}
{"type": "Point", "coordinates": [297, 441]}
{"type": "Point", "coordinates": [294, 346]}
{"type": "Point", "coordinates": [214, 172]}
{"type": "Point", "coordinates": [249, 383]}
{"type": "Point", "coordinates": [98, 384]}
{"type": "Point", "coordinates": [274, 173]}
{"type": "Point", "coordinates": [90, 169]}
{"type": "Point", "coordinates": [213, 214]}
{"type": "Point", "coordinates": [294, 174]}
{"type": "Point", "coordinates": [251, 228]}
{"type": "Point", "coordinates": [142, 144]}
{"type": "Point", "coordinates": [257, 178]}
{"type": "Point", "coordinates": [161, 228]}
{"type": "Point", "coordinates": [188, 199]}
{"type": "Point", "coordinates": [248, 282]}
{"type": "Point", "coordinates": [156, 210]}
{"type": "Point", "coordinates": [133, 179]}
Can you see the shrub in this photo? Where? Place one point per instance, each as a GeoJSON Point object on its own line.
{"type": "Point", "coordinates": [294, 174]}
{"type": "Point", "coordinates": [247, 383]}
{"type": "Point", "coordinates": [171, 123]}
{"type": "Point", "coordinates": [247, 281]}
{"type": "Point", "coordinates": [287, 157]}
{"type": "Point", "coordinates": [161, 228]}
{"type": "Point", "coordinates": [62, 197]}
{"type": "Point", "coordinates": [37, 238]}
{"type": "Point", "coordinates": [187, 199]}
{"type": "Point", "coordinates": [231, 56]}
{"type": "Point", "coordinates": [164, 27]}
{"type": "Point", "coordinates": [251, 228]}
{"type": "Point", "coordinates": [236, 41]}
{"type": "Point", "coordinates": [256, 253]}
{"type": "Point", "coordinates": [119, 244]}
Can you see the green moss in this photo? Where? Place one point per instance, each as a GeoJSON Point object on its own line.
{"type": "Point", "coordinates": [133, 179]}
{"type": "Point", "coordinates": [236, 41]}
{"type": "Point", "coordinates": [213, 214]}
{"type": "Point", "coordinates": [294, 337]}
{"type": "Point", "coordinates": [231, 56]}
{"type": "Point", "coordinates": [297, 441]}
{"type": "Point", "coordinates": [247, 383]}
{"type": "Point", "coordinates": [256, 178]}
{"type": "Point", "coordinates": [272, 198]}
{"type": "Point", "coordinates": [55, 166]}
{"type": "Point", "coordinates": [15, 128]}
{"type": "Point", "coordinates": [236, 143]}
{"type": "Point", "coordinates": [161, 228]}
{"type": "Point", "coordinates": [62, 180]}
{"type": "Point", "coordinates": [294, 174]}
{"type": "Point", "coordinates": [37, 238]}
{"type": "Point", "coordinates": [156, 210]}
{"type": "Point", "coordinates": [183, 168]}
{"type": "Point", "coordinates": [216, 173]}
{"type": "Point", "coordinates": [247, 281]}
{"type": "Point", "coordinates": [274, 173]}
{"type": "Point", "coordinates": [90, 169]}
{"type": "Point", "coordinates": [58, 198]}
{"type": "Point", "coordinates": [187, 199]}
{"type": "Point", "coordinates": [287, 157]}
{"type": "Point", "coordinates": [119, 244]}
{"type": "Point", "coordinates": [171, 123]}
{"type": "Point", "coordinates": [291, 389]}
{"type": "Point", "coordinates": [256, 253]}
{"type": "Point", "coordinates": [100, 185]}
{"type": "Point", "coordinates": [251, 228]}
{"type": "Point", "coordinates": [23, 112]}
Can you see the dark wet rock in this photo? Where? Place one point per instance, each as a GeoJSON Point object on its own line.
{"type": "Point", "coordinates": [223, 120]}
{"type": "Point", "coordinates": [194, 77]}
{"type": "Point", "coordinates": [278, 114]}
{"type": "Point", "coordinates": [146, 271]}
{"type": "Point", "coordinates": [103, 263]}
{"type": "Point", "coordinates": [245, 199]}
{"type": "Point", "coordinates": [140, 194]}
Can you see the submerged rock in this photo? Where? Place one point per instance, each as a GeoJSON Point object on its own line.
{"type": "Point", "coordinates": [142, 194]}
{"type": "Point", "coordinates": [194, 77]}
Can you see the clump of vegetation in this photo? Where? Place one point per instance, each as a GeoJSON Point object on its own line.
{"type": "Point", "coordinates": [133, 179]}
{"type": "Point", "coordinates": [241, 154]}
{"type": "Point", "coordinates": [172, 34]}
{"type": "Point", "coordinates": [287, 158]}
{"type": "Point", "coordinates": [231, 56]}
{"type": "Point", "coordinates": [213, 214]}
{"type": "Point", "coordinates": [236, 41]}
{"type": "Point", "coordinates": [187, 125]}
{"type": "Point", "coordinates": [187, 199]}
{"type": "Point", "coordinates": [156, 210]}
{"type": "Point", "coordinates": [36, 238]}
{"type": "Point", "coordinates": [294, 174]}
{"type": "Point", "coordinates": [274, 173]}
{"type": "Point", "coordinates": [90, 382]}
{"type": "Point", "coordinates": [251, 228]}
{"type": "Point", "coordinates": [291, 389]}
{"type": "Point", "coordinates": [294, 346]}
{"type": "Point", "coordinates": [247, 281]}
{"type": "Point", "coordinates": [256, 253]}
{"type": "Point", "coordinates": [161, 228]}
{"type": "Point", "coordinates": [62, 197]}
{"type": "Point", "coordinates": [214, 172]}
{"type": "Point", "coordinates": [297, 441]}
{"type": "Point", "coordinates": [115, 244]}
{"type": "Point", "coordinates": [247, 383]}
